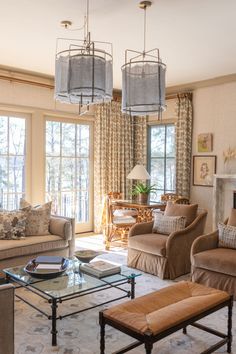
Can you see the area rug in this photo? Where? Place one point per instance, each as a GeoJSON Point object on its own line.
{"type": "Point", "coordinates": [79, 334]}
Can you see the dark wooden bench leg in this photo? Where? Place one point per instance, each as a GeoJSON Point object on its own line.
{"type": "Point", "coordinates": [102, 333]}
{"type": "Point", "coordinates": [230, 308]}
{"type": "Point", "coordinates": [148, 347]}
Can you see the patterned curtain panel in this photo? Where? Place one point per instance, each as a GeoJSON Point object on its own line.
{"type": "Point", "coordinates": [119, 143]}
{"type": "Point", "coordinates": [184, 143]}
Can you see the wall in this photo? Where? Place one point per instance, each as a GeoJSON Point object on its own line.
{"type": "Point", "coordinates": [214, 112]}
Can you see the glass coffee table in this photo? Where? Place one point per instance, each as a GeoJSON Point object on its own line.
{"type": "Point", "coordinates": [72, 284]}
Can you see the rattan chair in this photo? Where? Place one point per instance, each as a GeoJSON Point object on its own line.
{"type": "Point", "coordinates": [119, 220]}
{"type": "Point", "coordinates": [181, 200]}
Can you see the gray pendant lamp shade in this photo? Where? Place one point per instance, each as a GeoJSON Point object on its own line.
{"type": "Point", "coordinates": [143, 79]}
{"type": "Point", "coordinates": [83, 69]}
{"type": "Point", "coordinates": [143, 86]}
{"type": "Point", "coordinates": [83, 77]}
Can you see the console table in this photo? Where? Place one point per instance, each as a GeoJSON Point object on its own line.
{"type": "Point", "coordinates": [144, 209]}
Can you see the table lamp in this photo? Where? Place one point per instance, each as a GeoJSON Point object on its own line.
{"type": "Point", "coordinates": [139, 172]}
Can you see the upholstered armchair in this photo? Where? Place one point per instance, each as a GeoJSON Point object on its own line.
{"type": "Point", "coordinates": [167, 256]}
{"type": "Point", "coordinates": [7, 319]}
{"type": "Point", "coordinates": [212, 264]}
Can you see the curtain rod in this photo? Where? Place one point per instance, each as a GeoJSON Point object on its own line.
{"type": "Point", "coordinates": [116, 93]}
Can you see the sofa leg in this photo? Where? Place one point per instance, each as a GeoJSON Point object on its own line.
{"type": "Point", "coordinates": [185, 330]}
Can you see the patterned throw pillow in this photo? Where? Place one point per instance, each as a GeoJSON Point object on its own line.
{"type": "Point", "coordinates": [12, 225]}
{"type": "Point", "coordinates": [168, 224]}
{"type": "Point", "coordinates": [38, 218]}
{"type": "Point", "coordinates": [227, 236]}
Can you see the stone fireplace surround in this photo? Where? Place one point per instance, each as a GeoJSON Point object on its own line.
{"type": "Point", "coordinates": [223, 196]}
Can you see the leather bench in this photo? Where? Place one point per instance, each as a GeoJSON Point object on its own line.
{"type": "Point", "coordinates": [154, 316]}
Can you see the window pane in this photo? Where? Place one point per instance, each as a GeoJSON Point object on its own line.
{"type": "Point", "coordinates": [53, 174]}
{"type": "Point", "coordinates": [16, 136]}
{"type": "Point", "coordinates": [170, 174]}
{"type": "Point", "coordinates": [170, 141]}
{"type": "Point", "coordinates": [16, 174]}
{"type": "Point", "coordinates": [67, 174]}
{"type": "Point", "coordinates": [52, 138]}
{"type": "Point", "coordinates": [12, 161]}
{"type": "Point", "coordinates": [68, 139]}
{"type": "Point", "coordinates": [3, 174]}
{"type": "Point", "coordinates": [83, 140]}
{"type": "Point", "coordinates": [3, 135]}
{"type": "Point", "coordinates": [157, 141]}
{"type": "Point", "coordinates": [157, 173]}
{"type": "Point", "coordinates": [82, 174]}
{"type": "Point", "coordinates": [82, 207]}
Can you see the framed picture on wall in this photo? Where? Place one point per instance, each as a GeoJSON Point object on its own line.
{"type": "Point", "coordinates": [205, 142]}
{"type": "Point", "coordinates": [204, 168]}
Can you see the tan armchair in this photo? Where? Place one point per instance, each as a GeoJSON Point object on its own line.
{"type": "Point", "coordinates": [167, 256]}
{"type": "Point", "coordinates": [212, 265]}
{"type": "Point", "coordinates": [7, 319]}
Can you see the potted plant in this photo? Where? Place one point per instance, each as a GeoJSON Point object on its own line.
{"type": "Point", "coordinates": [142, 191]}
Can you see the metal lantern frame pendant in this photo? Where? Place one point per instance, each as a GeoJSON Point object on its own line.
{"type": "Point", "coordinates": [143, 79]}
{"type": "Point", "coordinates": [83, 72]}
{"type": "Point", "coordinates": [143, 83]}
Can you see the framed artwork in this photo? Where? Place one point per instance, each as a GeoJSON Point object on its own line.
{"type": "Point", "coordinates": [204, 168]}
{"type": "Point", "coordinates": [205, 142]}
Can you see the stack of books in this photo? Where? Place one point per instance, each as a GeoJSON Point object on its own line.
{"type": "Point", "coordinates": [48, 263]}
{"type": "Point", "coordinates": [100, 269]}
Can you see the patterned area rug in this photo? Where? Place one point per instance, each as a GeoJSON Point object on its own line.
{"type": "Point", "coordinates": [79, 334]}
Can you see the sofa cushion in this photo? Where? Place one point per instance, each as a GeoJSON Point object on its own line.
{"type": "Point", "coordinates": [227, 236]}
{"type": "Point", "coordinates": [38, 218]}
{"type": "Point", "coordinates": [31, 245]}
{"type": "Point", "coordinates": [189, 211]}
{"type": "Point", "coordinates": [167, 224]}
{"type": "Point", "coordinates": [149, 243]}
{"type": "Point", "coordinates": [12, 225]}
{"type": "Point", "coordinates": [220, 260]}
{"type": "Point", "coordinates": [232, 217]}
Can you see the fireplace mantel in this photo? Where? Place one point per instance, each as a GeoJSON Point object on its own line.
{"type": "Point", "coordinates": [223, 186]}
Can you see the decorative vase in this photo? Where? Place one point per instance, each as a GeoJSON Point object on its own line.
{"type": "Point", "coordinates": [143, 198]}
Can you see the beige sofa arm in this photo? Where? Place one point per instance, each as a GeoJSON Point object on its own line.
{"type": "Point", "coordinates": [205, 243]}
{"type": "Point", "coordinates": [65, 228]}
{"type": "Point", "coordinates": [7, 319]}
{"type": "Point", "coordinates": [141, 228]}
{"type": "Point", "coordinates": [179, 245]}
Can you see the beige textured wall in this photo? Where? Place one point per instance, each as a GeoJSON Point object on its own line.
{"type": "Point", "coordinates": [214, 112]}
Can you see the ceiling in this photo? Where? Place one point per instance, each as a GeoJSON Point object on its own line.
{"type": "Point", "coordinates": [195, 37]}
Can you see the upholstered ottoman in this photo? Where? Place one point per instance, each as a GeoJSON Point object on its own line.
{"type": "Point", "coordinates": [154, 316]}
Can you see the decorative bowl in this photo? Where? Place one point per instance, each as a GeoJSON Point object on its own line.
{"type": "Point", "coordinates": [30, 268]}
{"type": "Point", "coordinates": [86, 256]}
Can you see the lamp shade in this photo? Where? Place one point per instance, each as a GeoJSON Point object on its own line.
{"type": "Point", "coordinates": [139, 172]}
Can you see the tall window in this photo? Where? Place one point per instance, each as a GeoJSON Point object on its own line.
{"type": "Point", "coordinates": [162, 158]}
{"type": "Point", "coordinates": [12, 161]}
{"type": "Point", "coordinates": [68, 169]}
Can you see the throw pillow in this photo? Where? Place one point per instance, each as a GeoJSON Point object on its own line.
{"type": "Point", "coordinates": [168, 224]}
{"type": "Point", "coordinates": [232, 218]}
{"type": "Point", "coordinates": [189, 211]}
{"type": "Point", "coordinates": [38, 218]}
{"type": "Point", "coordinates": [12, 225]}
{"type": "Point", "coordinates": [227, 236]}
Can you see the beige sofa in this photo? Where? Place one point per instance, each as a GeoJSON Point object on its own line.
{"type": "Point", "coordinates": [60, 241]}
{"type": "Point", "coordinates": [7, 319]}
{"type": "Point", "coordinates": [167, 256]}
